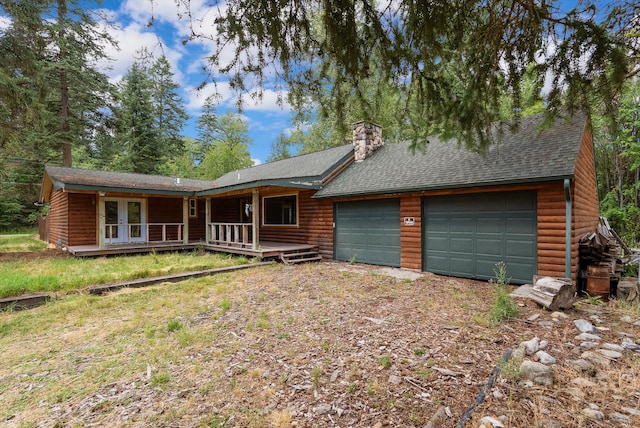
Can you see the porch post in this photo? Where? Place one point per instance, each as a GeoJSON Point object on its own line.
{"type": "Point", "coordinates": [207, 219]}
{"type": "Point", "coordinates": [255, 219]}
{"type": "Point", "coordinates": [185, 220]}
{"type": "Point", "coordinates": [101, 222]}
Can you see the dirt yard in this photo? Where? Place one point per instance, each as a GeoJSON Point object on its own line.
{"type": "Point", "coordinates": [318, 345]}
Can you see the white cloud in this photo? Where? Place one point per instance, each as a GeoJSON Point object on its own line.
{"type": "Point", "coordinates": [131, 39]}
{"type": "Point", "coordinates": [272, 101]}
{"type": "Point", "coordinates": [256, 162]}
{"type": "Point", "coordinates": [5, 22]}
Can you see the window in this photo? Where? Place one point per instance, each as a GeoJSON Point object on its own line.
{"type": "Point", "coordinates": [280, 210]}
{"type": "Point", "coordinates": [193, 208]}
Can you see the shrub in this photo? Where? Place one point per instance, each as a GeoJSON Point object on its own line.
{"type": "Point", "coordinates": [503, 308]}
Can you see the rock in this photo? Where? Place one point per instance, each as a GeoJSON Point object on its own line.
{"type": "Point", "coordinates": [627, 319]}
{"type": "Point", "coordinates": [576, 393]}
{"type": "Point", "coordinates": [445, 372]}
{"type": "Point", "coordinates": [595, 319]}
{"type": "Point", "coordinates": [546, 324]}
{"type": "Point", "coordinates": [394, 379]}
{"type": "Point", "coordinates": [637, 323]}
{"type": "Point", "coordinates": [619, 417]}
{"type": "Point", "coordinates": [595, 415]}
{"type": "Point", "coordinates": [491, 422]}
{"type": "Point", "coordinates": [559, 315]}
{"type": "Point", "coordinates": [549, 423]}
{"type": "Point", "coordinates": [585, 326]}
{"type": "Point", "coordinates": [544, 358]}
{"type": "Point", "coordinates": [322, 409]}
{"type": "Point", "coordinates": [588, 337]}
{"type": "Point", "coordinates": [536, 372]}
{"type": "Point", "coordinates": [518, 354]}
{"type": "Point", "coordinates": [631, 411]}
{"type": "Point", "coordinates": [543, 344]}
{"type": "Point", "coordinates": [595, 358]}
{"type": "Point", "coordinates": [531, 346]}
{"type": "Point", "coordinates": [583, 383]}
{"type": "Point", "coordinates": [533, 317]}
{"type": "Point", "coordinates": [583, 366]}
{"type": "Point", "coordinates": [589, 345]}
{"type": "Point", "coordinates": [613, 355]}
{"type": "Point", "coordinates": [438, 418]}
{"type": "Point", "coordinates": [612, 347]}
{"type": "Point", "coordinates": [497, 394]}
{"type": "Point", "coordinates": [630, 344]}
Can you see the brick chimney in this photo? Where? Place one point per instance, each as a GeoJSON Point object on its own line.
{"type": "Point", "coordinates": [367, 138]}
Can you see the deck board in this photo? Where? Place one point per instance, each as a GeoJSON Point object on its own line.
{"type": "Point", "coordinates": [265, 249]}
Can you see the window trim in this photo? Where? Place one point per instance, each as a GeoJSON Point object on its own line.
{"type": "Point", "coordinates": [264, 211]}
{"type": "Point", "coordinates": [193, 208]}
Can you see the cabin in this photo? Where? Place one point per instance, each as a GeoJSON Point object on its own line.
{"type": "Point", "coordinates": [526, 201]}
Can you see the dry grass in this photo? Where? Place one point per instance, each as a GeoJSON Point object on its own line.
{"type": "Point", "coordinates": [21, 243]}
{"type": "Point", "coordinates": [324, 344]}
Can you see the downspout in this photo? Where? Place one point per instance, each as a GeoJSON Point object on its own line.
{"type": "Point", "coordinates": [567, 226]}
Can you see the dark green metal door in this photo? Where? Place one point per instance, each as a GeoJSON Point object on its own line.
{"type": "Point", "coordinates": [466, 235]}
{"type": "Point", "coordinates": [368, 231]}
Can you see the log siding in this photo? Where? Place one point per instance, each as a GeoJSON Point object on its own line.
{"type": "Point", "coordinates": [83, 219]}
{"type": "Point", "coordinates": [585, 198]}
{"type": "Point", "coordinates": [315, 225]}
{"type": "Point", "coordinates": [411, 235]}
{"type": "Point", "coordinates": [58, 219]}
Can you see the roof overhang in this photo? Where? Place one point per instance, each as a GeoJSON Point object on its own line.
{"type": "Point", "coordinates": [451, 186]}
{"type": "Point", "coordinates": [313, 183]}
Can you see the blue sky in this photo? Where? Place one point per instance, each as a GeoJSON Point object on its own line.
{"type": "Point", "coordinates": [266, 119]}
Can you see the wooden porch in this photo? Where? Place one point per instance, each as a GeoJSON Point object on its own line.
{"type": "Point", "coordinates": [287, 252]}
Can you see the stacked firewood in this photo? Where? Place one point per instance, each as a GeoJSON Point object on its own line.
{"type": "Point", "coordinates": [603, 248]}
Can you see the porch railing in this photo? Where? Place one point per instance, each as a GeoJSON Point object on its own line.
{"type": "Point", "coordinates": [230, 233]}
{"type": "Point", "coordinates": [154, 232]}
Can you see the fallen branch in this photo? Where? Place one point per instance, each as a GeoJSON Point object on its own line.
{"type": "Point", "coordinates": [483, 392]}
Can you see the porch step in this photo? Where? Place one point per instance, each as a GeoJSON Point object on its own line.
{"type": "Point", "coordinates": [311, 255]}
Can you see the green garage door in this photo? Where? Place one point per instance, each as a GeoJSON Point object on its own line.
{"type": "Point", "coordinates": [368, 231]}
{"type": "Point", "coordinates": [466, 235]}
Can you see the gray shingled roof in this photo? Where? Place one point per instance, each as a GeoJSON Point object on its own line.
{"type": "Point", "coordinates": [528, 155]}
{"type": "Point", "coordinates": [84, 179]}
{"type": "Point", "coordinates": [306, 171]}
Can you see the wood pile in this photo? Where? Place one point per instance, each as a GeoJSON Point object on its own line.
{"type": "Point", "coordinates": [603, 248]}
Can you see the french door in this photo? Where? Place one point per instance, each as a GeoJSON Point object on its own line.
{"type": "Point", "coordinates": [125, 220]}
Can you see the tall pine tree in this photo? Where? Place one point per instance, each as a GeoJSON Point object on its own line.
{"type": "Point", "coordinates": [137, 130]}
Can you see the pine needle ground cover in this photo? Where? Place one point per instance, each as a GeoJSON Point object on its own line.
{"type": "Point", "coordinates": [324, 344]}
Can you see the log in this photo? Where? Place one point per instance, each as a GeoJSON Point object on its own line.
{"type": "Point", "coordinates": [553, 293]}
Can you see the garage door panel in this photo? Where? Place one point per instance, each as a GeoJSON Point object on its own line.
{"type": "Point", "coordinates": [461, 224]}
{"type": "Point", "coordinates": [368, 231]}
{"type": "Point", "coordinates": [437, 243]}
{"type": "Point", "coordinates": [489, 246]}
{"type": "Point", "coordinates": [488, 228]}
{"type": "Point", "coordinates": [489, 225]}
{"type": "Point", "coordinates": [521, 225]}
{"type": "Point", "coordinates": [461, 245]}
{"type": "Point", "coordinates": [460, 266]}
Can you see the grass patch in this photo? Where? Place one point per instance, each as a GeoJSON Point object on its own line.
{"type": "Point", "coordinates": [69, 274]}
{"type": "Point", "coordinates": [21, 243]}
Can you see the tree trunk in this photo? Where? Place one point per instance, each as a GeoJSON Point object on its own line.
{"type": "Point", "coordinates": [67, 160]}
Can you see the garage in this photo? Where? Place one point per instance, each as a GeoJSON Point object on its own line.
{"type": "Point", "coordinates": [368, 231]}
{"type": "Point", "coordinates": [466, 235]}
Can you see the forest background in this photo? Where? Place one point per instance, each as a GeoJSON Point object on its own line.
{"type": "Point", "coordinates": [57, 107]}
